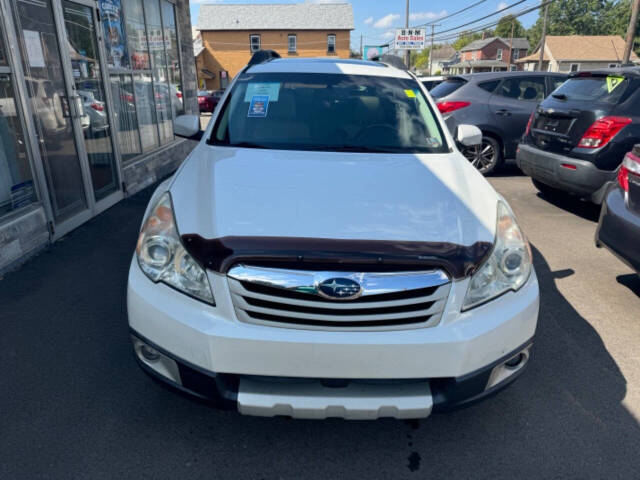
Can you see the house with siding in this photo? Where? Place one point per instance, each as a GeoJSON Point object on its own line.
{"type": "Point", "coordinates": [573, 53]}
{"type": "Point", "coordinates": [231, 34]}
{"type": "Point", "coordinates": [492, 54]}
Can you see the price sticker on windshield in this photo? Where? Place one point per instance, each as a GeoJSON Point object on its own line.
{"type": "Point", "coordinates": [410, 93]}
{"type": "Point", "coordinates": [613, 82]}
{"type": "Point", "coordinates": [259, 106]}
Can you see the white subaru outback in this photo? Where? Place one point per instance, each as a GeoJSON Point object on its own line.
{"type": "Point", "coordinates": [326, 251]}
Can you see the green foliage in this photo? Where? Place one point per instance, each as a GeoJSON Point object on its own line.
{"type": "Point", "coordinates": [503, 29]}
{"type": "Point", "coordinates": [465, 39]}
{"type": "Point", "coordinates": [583, 17]}
{"type": "Point", "coordinates": [420, 59]}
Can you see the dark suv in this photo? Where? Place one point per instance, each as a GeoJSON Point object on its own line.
{"type": "Point", "coordinates": [576, 139]}
{"type": "Point", "coordinates": [499, 103]}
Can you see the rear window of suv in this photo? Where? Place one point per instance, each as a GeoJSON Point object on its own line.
{"type": "Point", "coordinates": [447, 87]}
{"type": "Point", "coordinates": [328, 112]}
{"type": "Point", "coordinates": [601, 89]}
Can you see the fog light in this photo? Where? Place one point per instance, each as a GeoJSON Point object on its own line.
{"type": "Point", "coordinates": [150, 354]}
{"type": "Point", "coordinates": [515, 361]}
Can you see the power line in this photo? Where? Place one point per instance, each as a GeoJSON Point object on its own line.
{"type": "Point", "coordinates": [439, 19]}
{"type": "Point", "coordinates": [486, 26]}
{"type": "Point", "coordinates": [486, 16]}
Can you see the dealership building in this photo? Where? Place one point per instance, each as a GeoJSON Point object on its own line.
{"type": "Point", "coordinates": [88, 93]}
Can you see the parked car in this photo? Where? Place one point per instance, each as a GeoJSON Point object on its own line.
{"type": "Point", "coordinates": [431, 81]}
{"type": "Point", "coordinates": [325, 250]}
{"type": "Point", "coordinates": [499, 103]}
{"type": "Point", "coordinates": [208, 100]}
{"type": "Point", "coordinates": [96, 112]}
{"type": "Point", "coordinates": [577, 137]}
{"type": "Point", "coordinates": [619, 225]}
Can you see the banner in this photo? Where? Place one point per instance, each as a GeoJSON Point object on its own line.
{"type": "Point", "coordinates": [114, 33]}
{"type": "Point", "coordinates": [371, 52]}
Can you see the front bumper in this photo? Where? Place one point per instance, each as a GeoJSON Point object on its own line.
{"type": "Point", "coordinates": [585, 180]}
{"type": "Point", "coordinates": [619, 229]}
{"type": "Point", "coordinates": [226, 361]}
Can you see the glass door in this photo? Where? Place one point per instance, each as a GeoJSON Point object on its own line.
{"type": "Point", "coordinates": [63, 74]}
{"type": "Point", "coordinates": [89, 96]}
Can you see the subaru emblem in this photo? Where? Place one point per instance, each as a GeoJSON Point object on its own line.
{"type": "Point", "coordinates": [339, 289]}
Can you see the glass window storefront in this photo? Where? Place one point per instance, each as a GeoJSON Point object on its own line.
{"type": "Point", "coordinates": [16, 183]}
{"type": "Point", "coordinates": [146, 86]}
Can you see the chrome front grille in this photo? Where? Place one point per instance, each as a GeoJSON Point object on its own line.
{"type": "Point", "coordinates": [290, 299]}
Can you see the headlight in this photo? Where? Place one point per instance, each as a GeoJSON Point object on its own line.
{"type": "Point", "coordinates": [508, 267]}
{"type": "Point", "coordinates": [162, 257]}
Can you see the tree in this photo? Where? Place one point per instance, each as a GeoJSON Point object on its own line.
{"type": "Point", "coordinates": [575, 17]}
{"type": "Point", "coordinates": [503, 29]}
{"type": "Point", "coordinates": [420, 59]}
{"type": "Point", "coordinates": [465, 39]}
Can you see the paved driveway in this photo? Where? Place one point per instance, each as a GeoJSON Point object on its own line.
{"type": "Point", "coordinates": [74, 404]}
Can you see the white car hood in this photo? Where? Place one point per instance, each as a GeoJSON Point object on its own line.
{"type": "Point", "coordinates": [222, 191]}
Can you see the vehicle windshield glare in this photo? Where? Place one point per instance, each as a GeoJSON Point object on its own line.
{"type": "Point", "coordinates": [328, 112]}
{"type": "Point", "coordinates": [593, 89]}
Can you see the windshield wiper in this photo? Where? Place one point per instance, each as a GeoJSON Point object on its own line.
{"type": "Point", "coordinates": [559, 96]}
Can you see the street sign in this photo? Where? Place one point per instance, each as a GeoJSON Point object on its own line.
{"type": "Point", "coordinates": [410, 38]}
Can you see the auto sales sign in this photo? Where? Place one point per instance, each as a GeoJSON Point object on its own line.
{"type": "Point", "coordinates": [410, 38]}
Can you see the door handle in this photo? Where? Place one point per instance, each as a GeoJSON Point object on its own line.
{"type": "Point", "coordinates": [503, 112]}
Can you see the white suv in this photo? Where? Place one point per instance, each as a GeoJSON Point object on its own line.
{"type": "Point", "coordinates": [326, 251]}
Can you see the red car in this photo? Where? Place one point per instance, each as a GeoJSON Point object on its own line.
{"type": "Point", "coordinates": [207, 100]}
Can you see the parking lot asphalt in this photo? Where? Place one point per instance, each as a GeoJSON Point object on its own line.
{"type": "Point", "coordinates": [74, 404]}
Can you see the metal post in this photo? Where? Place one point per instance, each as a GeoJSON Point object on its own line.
{"type": "Point", "coordinates": [631, 31]}
{"type": "Point", "coordinates": [407, 54]}
{"type": "Point", "coordinates": [544, 36]}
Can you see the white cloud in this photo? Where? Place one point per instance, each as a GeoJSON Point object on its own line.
{"type": "Point", "coordinates": [387, 21]}
{"type": "Point", "coordinates": [389, 34]}
{"type": "Point", "coordinates": [427, 15]}
{"type": "Point", "coordinates": [502, 5]}
{"type": "Point", "coordinates": [368, 21]}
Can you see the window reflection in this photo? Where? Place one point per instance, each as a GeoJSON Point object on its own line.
{"type": "Point", "coordinates": [16, 183]}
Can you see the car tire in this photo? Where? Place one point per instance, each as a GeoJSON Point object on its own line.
{"type": "Point", "coordinates": [487, 157]}
{"type": "Point", "coordinates": [546, 190]}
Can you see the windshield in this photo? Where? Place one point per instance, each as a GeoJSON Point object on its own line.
{"type": "Point", "coordinates": [593, 89]}
{"type": "Point", "coordinates": [328, 112]}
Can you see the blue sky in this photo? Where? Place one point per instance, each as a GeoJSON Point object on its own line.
{"type": "Point", "coordinates": [376, 19]}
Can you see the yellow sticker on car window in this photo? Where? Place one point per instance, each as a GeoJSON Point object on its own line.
{"type": "Point", "coordinates": [410, 93]}
{"type": "Point", "coordinates": [613, 82]}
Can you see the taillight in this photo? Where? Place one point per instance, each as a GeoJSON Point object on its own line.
{"type": "Point", "coordinates": [179, 94]}
{"type": "Point", "coordinates": [526, 132]}
{"type": "Point", "coordinates": [602, 131]}
{"type": "Point", "coordinates": [630, 166]}
{"type": "Point", "coordinates": [447, 107]}
{"type": "Point", "coordinates": [97, 106]}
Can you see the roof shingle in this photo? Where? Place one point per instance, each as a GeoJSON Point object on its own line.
{"type": "Point", "coordinates": [518, 43]}
{"type": "Point", "coordinates": [300, 16]}
{"type": "Point", "coordinates": [605, 48]}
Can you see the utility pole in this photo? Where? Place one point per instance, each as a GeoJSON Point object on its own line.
{"type": "Point", "coordinates": [361, 48]}
{"type": "Point", "coordinates": [543, 39]}
{"type": "Point", "coordinates": [407, 53]}
{"type": "Point", "coordinates": [433, 26]}
{"type": "Point", "coordinates": [513, 24]}
{"type": "Point", "coordinates": [631, 31]}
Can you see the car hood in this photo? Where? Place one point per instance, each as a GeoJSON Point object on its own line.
{"type": "Point", "coordinates": [222, 192]}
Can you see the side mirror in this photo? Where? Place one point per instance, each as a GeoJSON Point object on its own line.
{"type": "Point", "coordinates": [468, 135]}
{"type": "Point", "coordinates": [187, 126]}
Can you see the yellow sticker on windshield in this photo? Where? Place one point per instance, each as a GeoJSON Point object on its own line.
{"type": "Point", "coordinates": [613, 82]}
{"type": "Point", "coordinates": [410, 93]}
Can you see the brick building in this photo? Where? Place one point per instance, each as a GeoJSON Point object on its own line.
{"type": "Point", "coordinates": [491, 54]}
{"type": "Point", "coordinates": [232, 33]}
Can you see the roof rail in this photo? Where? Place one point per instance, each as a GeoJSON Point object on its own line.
{"type": "Point", "coordinates": [263, 56]}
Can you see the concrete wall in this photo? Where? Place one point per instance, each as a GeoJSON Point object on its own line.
{"type": "Point", "coordinates": [230, 50]}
